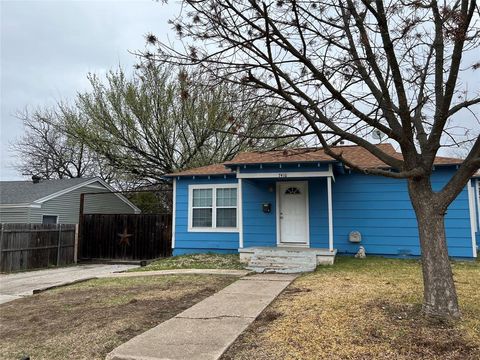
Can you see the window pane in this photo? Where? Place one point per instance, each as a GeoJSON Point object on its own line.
{"type": "Point", "coordinates": [49, 219]}
{"type": "Point", "coordinates": [202, 197]}
{"type": "Point", "coordinates": [226, 197]}
{"type": "Point", "coordinates": [226, 217]}
{"type": "Point", "coordinates": [202, 218]}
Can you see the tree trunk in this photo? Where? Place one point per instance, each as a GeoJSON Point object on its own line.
{"type": "Point", "coordinates": [439, 296]}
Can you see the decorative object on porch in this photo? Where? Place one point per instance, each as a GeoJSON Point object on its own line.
{"type": "Point", "coordinates": [355, 237]}
{"type": "Point", "coordinates": [361, 254]}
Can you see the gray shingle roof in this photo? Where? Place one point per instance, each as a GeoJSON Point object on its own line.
{"type": "Point", "coordinates": [26, 192]}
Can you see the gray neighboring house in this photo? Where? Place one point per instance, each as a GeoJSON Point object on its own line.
{"type": "Point", "coordinates": [58, 201]}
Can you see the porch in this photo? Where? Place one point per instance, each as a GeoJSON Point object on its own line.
{"type": "Point", "coordinates": [290, 208]}
{"type": "Point", "coordinates": [285, 259]}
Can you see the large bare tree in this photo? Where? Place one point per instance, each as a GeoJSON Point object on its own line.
{"type": "Point", "coordinates": [350, 67]}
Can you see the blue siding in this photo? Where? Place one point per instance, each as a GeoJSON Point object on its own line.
{"type": "Point", "coordinates": [259, 229]}
{"type": "Point", "coordinates": [199, 242]}
{"type": "Point", "coordinates": [381, 210]}
{"type": "Point", "coordinates": [378, 207]}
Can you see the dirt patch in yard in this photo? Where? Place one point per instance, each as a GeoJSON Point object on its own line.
{"type": "Point", "coordinates": [363, 309]}
{"type": "Point", "coordinates": [88, 320]}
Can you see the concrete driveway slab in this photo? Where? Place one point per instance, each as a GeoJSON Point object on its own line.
{"type": "Point", "coordinates": [16, 285]}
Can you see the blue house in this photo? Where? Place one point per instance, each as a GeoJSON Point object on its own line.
{"type": "Point", "coordinates": [304, 203]}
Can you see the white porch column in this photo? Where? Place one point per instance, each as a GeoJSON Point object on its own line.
{"type": "Point", "coordinates": [240, 214]}
{"type": "Point", "coordinates": [330, 214]}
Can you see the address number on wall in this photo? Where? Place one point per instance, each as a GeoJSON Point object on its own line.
{"type": "Point", "coordinates": [282, 175]}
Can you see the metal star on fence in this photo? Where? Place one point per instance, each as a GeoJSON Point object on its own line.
{"type": "Point", "coordinates": [124, 237]}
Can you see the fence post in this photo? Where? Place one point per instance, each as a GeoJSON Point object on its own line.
{"type": "Point", "coordinates": [59, 243]}
{"type": "Point", "coordinates": [80, 223]}
{"type": "Point", "coordinates": [75, 245]}
{"type": "Point", "coordinates": [2, 226]}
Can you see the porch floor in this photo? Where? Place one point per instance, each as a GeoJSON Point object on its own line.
{"type": "Point", "coordinates": [285, 259]}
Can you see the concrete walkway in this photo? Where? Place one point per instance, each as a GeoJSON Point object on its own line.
{"type": "Point", "coordinates": [15, 286]}
{"type": "Point", "coordinates": [208, 328]}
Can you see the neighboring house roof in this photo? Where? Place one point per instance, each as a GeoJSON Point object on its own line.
{"type": "Point", "coordinates": [28, 192]}
{"type": "Point", "coordinates": [25, 192]}
{"type": "Point", "coordinates": [355, 154]}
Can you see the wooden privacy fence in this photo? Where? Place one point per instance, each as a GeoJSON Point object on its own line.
{"type": "Point", "coordinates": [32, 246]}
{"type": "Point", "coordinates": [125, 236]}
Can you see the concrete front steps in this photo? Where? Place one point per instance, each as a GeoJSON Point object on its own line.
{"type": "Point", "coordinates": [285, 259]}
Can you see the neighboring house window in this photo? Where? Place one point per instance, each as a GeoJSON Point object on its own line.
{"type": "Point", "coordinates": [212, 207]}
{"type": "Point", "coordinates": [49, 219]}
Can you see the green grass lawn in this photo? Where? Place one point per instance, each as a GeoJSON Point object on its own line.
{"type": "Point", "coordinates": [364, 309]}
{"type": "Point", "coordinates": [195, 261]}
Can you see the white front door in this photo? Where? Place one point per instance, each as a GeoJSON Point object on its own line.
{"type": "Point", "coordinates": [293, 212]}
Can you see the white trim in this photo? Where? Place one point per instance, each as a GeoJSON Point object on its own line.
{"type": "Point", "coordinates": [174, 211]}
{"type": "Point", "coordinates": [330, 214]}
{"type": "Point", "coordinates": [277, 210]}
{"type": "Point", "coordinates": [65, 191]}
{"type": "Point", "coordinates": [7, 206]}
{"type": "Point", "coordinates": [330, 170]}
{"type": "Point", "coordinates": [284, 175]}
{"type": "Point", "coordinates": [214, 188]}
{"type": "Point", "coordinates": [307, 209]}
{"type": "Point", "coordinates": [85, 183]}
{"type": "Point", "coordinates": [473, 225]}
{"type": "Point", "coordinates": [240, 213]}
{"type": "Point", "coordinates": [56, 215]}
{"type": "Point", "coordinates": [477, 201]}
{"type": "Point", "coordinates": [94, 187]}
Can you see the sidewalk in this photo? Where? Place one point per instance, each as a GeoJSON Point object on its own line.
{"type": "Point", "coordinates": [208, 328]}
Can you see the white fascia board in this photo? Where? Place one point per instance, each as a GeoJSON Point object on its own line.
{"type": "Point", "coordinates": [284, 175]}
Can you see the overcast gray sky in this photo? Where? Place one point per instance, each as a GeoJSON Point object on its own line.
{"type": "Point", "coordinates": [48, 47]}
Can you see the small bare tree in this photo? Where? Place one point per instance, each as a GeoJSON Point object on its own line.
{"type": "Point", "coordinates": [164, 119]}
{"type": "Point", "coordinates": [46, 150]}
{"type": "Point", "coordinates": [350, 67]}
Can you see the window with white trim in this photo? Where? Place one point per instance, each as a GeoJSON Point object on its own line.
{"type": "Point", "coordinates": [213, 207]}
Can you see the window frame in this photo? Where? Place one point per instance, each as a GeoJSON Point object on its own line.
{"type": "Point", "coordinates": [214, 188]}
{"type": "Point", "coordinates": [51, 215]}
